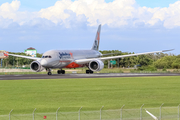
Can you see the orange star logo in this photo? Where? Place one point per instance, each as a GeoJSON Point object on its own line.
{"type": "Point", "coordinates": [98, 36]}
{"type": "Point", "coordinates": [71, 54]}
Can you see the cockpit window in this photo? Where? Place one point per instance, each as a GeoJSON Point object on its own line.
{"type": "Point", "coordinates": [47, 56]}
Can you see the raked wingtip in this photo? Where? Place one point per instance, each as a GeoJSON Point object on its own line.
{"type": "Point", "coordinates": [167, 50]}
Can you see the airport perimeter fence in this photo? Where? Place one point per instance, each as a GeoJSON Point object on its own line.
{"type": "Point", "coordinates": [161, 113]}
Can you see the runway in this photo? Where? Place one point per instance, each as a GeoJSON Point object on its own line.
{"type": "Point", "coordinates": [71, 76]}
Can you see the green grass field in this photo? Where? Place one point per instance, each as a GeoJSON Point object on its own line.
{"type": "Point", "coordinates": [70, 94]}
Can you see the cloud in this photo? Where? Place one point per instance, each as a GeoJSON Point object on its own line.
{"type": "Point", "coordinates": [8, 10]}
{"type": "Point", "coordinates": [119, 13]}
{"type": "Point", "coordinates": [115, 13]}
{"type": "Point", "coordinates": [9, 13]}
{"type": "Point", "coordinates": [169, 16]}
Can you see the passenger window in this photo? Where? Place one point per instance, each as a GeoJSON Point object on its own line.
{"type": "Point", "coordinates": [46, 56]}
{"type": "Point", "coordinates": [49, 56]}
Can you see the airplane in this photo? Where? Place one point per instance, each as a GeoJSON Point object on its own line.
{"type": "Point", "coordinates": [59, 59]}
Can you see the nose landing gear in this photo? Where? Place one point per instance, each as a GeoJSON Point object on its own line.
{"type": "Point", "coordinates": [49, 71]}
{"type": "Point", "coordinates": [61, 72]}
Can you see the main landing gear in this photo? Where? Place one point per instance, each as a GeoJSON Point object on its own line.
{"type": "Point", "coordinates": [61, 72]}
{"type": "Point", "coordinates": [89, 72]}
{"type": "Point", "coordinates": [58, 72]}
{"type": "Point", "coordinates": [49, 73]}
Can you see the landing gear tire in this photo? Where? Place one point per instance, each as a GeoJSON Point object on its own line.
{"type": "Point", "coordinates": [89, 72]}
{"type": "Point", "coordinates": [49, 73]}
{"type": "Point", "coordinates": [61, 72]}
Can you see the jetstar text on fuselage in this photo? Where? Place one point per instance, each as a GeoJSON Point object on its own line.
{"type": "Point", "coordinates": [65, 55]}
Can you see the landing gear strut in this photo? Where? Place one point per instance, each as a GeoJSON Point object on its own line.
{"type": "Point", "coordinates": [61, 72]}
{"type": "Point", "coordinates": [49, 71]}
{"type": "Point", "coordinates": [89, 72]}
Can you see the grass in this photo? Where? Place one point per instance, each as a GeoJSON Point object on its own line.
{"type": "Point", "coordinates": [70, 94]}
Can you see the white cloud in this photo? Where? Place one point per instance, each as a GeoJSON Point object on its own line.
{"type": "Point", "coordinates": [9, 13]}
{"type": "Point", "coordinates": [10, 7]}
{"type": "Point", "coordinates": [8, 10]}
{"type": "Point", "coordinates": [56, 13]}
{"type": "Point", "coordinates": [93, 12]}
{"type": "Point", "coordinates": [169, 16]}
{"type": "Point", "coordinates": [106, 13]}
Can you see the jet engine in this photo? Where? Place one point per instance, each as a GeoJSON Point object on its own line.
{"type": "Point", "coordinates": [96, 65]}
{"type": "Point", "coordinates": [36, 66]}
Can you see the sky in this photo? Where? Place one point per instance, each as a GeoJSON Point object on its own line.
{"type": "Point", "coordinates": [127, 25]}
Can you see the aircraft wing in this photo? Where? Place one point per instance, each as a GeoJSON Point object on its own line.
{"type": "Point", "coordinates": [112, 53]}
{"type": "Point", "coordinates": [22, 56]}
{"type": "Point", "coordinates": [83, 61]}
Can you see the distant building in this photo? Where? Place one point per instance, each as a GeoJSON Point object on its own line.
{"type": "Point", "coordinates": [31, 51]}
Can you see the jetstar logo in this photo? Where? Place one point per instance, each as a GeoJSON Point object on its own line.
{"type": "Point", "coordinates": [65, 55]}
{"type": "Point", "coordinates": [98, 38]}
{"type": "Point", "coordinates": [96, 42]}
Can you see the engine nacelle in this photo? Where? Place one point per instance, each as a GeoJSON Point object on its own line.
{"type": "Point", "coordinates": [36, 66]}
{"type": "Point", "coordinates": [96, 65]}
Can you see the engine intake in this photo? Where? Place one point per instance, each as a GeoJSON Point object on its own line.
{"type": "Point", "coordinates": [96, 65]}
{"type": "Point", "coordinates": [36, 66]}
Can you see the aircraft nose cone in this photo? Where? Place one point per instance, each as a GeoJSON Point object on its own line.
{"type": "Point", "coordinates": [43, 62]}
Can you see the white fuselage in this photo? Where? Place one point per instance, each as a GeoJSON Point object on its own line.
{"type": "Point", "coordinates": [65, 58]}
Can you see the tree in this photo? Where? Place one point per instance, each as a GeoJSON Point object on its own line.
{"type": "Point", "coordinates": [165, 62]}
{"type": "Point", "coordinates": [176, 63]}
